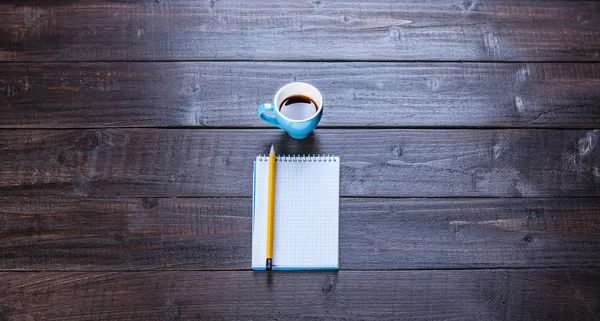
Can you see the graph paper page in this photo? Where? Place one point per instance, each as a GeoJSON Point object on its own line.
{"type": "Point", "coordinates": [306, 219]}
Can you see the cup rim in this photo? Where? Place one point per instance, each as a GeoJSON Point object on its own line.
{"type": "Point", "coordinates": [276, 106]}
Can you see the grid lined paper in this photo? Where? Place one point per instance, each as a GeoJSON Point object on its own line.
{"type": "Point", "coordinates": [306, 219]}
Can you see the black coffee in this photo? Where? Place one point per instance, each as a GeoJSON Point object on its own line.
{"type": "Point", "coordinates": [298, 107]}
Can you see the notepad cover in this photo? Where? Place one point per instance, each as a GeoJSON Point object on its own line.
{"type": "Point", "coordinates": [306, 218]}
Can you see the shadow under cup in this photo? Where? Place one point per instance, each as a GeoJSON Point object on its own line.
{"type": "Point", "coordinates": [298, 129]}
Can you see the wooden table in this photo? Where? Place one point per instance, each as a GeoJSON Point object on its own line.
{"type": "Point", "coordinates": [467, 132]}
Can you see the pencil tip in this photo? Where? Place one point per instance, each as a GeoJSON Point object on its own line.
{"type": "Point", "coordinates": [272, 149]}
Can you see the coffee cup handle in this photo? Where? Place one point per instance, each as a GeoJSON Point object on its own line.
{"type": "Point", "coordinates": [262, 109]}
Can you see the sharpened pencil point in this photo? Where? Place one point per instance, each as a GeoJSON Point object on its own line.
{"type": "Point", "coordinates": [272, 150]}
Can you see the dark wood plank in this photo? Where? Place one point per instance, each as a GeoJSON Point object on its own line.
{"type": "Point", "coordinates": [125, 234]}
{"type": "Point", "coordinates": [215, 234]}
{"type": "Point", "coordinates": [179, 162]}
{"type": "Point", "coordinates": [226, 94]}
{"type": "Point", "coordinates": [393, 295]}
{"type": "Point", "coordinates": [92, 30]}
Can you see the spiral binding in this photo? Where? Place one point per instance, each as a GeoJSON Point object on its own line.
{"type": "Point", "coordinates": [299, 158]}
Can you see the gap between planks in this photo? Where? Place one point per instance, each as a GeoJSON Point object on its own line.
{"type": "Point", "coordinates": [304, 60]}
{"type": "Point", "coordinates": [319, 127]}
{"type": "Point", "coordinates": [549, 268]}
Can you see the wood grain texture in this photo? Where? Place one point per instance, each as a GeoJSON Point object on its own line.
{"type": "Point", "coordinates": [215, 234]}
{"type": "Point", "coordinates": [397, 163]}
{"type": "Point", "coordinates": [565, 294]}
{"type": "Point", "coordinates": [108, 30]}
{"type": "Point", "coordinates": [356, 94]}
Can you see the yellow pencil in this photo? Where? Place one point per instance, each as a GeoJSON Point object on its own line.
{"type": "Point", "coordinates": [271, 209]}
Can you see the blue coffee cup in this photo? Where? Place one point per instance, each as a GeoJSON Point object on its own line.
{"type": "Point", "coordinates": [296, 128]}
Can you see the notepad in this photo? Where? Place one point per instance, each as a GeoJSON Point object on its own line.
{"type": "Point", "coordinates": [306, 218]}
